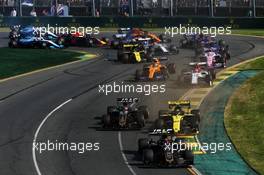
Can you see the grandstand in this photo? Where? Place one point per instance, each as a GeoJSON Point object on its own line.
{"type": "Point", "coordinates": [217, 8]}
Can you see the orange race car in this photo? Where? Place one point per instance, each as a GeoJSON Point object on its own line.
{"type": "Point", "coordinates": [136, 32]}
{"type": "Point", "coordinates": [155, 71]}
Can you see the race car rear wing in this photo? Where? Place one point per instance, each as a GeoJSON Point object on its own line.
{"type": "Point", "coordinates": [180, 102]}
{"type": "Point", "coordinates": [197, 63]}
{"type": "Point", "coordinates": [124, 29]}
{"type": "Point", "coordinates": [130, 45]}
{"type": "Point", "coordinates": [128, 100]}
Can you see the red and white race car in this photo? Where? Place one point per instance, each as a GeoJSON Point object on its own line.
{"type": "Point", "coordinates": [198, 73]}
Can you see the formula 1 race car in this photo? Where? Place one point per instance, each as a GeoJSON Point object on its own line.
{"type": "Point", "coordinates": [133, 53]}
{"type": "Point", "coordinates": [30, 37]}
{"type": "Point", "coordinates": [33, 42]}
{"type": "Point", "coordinates": [199, 72]}
{"type": "Point", "coordinates": [218, 55]}
{"type": "Point", "coordinates": [163, 153]}
{"type": "Point", "coordinates": [214, 59]}
{"type": "Point", "coordinates": [86, 40]}
{"type": "Point", "coordinates": [157, 48]}
{"type": "Point", "coordinates": [19, 31]}
{"type": "Point", "coordinates": [160, 49]}
{"type": "Point", "coordinates": [129, 35]}
{"type": "Point", "coordinates": [180, 118]}
{"type": "Point", "coordinates": [188, 41]}
{"type": "Point", "coordinates": [155, 71]}
{"type": "Point", "coordinates": [125, 115]}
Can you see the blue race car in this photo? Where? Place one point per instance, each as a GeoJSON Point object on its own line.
{"type": "Point", "coordinates": [33, 42]}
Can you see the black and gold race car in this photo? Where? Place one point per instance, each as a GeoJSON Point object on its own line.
{"type": "Point", "coordinates": [125, 115]}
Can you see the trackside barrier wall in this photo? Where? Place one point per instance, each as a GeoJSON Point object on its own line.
{"type": "Point", "coordinates": [143, 22]}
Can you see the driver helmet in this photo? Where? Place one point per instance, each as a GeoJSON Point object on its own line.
{"type": "Point", "coordinates": [178, 109]}
{"type": "Point", "coordinates": [197, 68]}
{"type": "Point", "coordinates": [156, 61]}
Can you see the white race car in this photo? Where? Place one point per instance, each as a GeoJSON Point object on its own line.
{"type": "Point", "coordinates": [199, 72]}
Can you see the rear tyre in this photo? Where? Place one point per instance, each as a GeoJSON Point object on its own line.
{"type": "Point", "coordinates": [115, 44]}
{"type": "Point", "coordinates": [148, 156]}
{"type": "Point", "coordinates": [125, 58]}
{"type": "Point", "coordinates": [140, 119]}
{"type": "Point", "coordinates": [142, 144]}
{"type": "Point", "coordinates": [174, 49]}
{"type": "Point", "coordinates": [189, 158]}
{"type": "Point", "coordinates": [110, 109]}
{"type": "Point", "coordinates": [144, 110]}
{"type": "Point", "coordinates": [209, 80]}
{"type": "Point", "coordinates": [159, 124]}
{"type": "Point", "coordinates": [171, 68]}
{"type": "Point", "coordinates": [138, 74]}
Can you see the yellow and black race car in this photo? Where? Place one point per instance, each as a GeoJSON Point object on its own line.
{"type": "Point", "coordinates": [180, 118]}
{"type": "Point", "coordinates": [133, 53]}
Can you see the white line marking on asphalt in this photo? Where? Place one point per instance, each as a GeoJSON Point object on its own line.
{"type": "Point", "coordinates": [195, 170]}
{"type": "Point", "coordinates": [123, 155]}
{"type": "Point", "coordinates": [37, 132]}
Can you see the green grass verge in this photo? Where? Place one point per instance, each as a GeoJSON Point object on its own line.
{"type": "Point", "coordinates": [251, 32]}
{"type": "Point", "coordinates": [257, 64]}
{"type": "Point", "coordinates": [18, 61]}
{"type": "Point", "coordinates": [244, 119]}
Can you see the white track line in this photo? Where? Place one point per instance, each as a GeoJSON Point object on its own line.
{"type": "Point", "coordinates": [196, 170]}
{"type": "Point", "coordinates": [37, 132]}
{"type": "Point", "coordinates": [123, 155]}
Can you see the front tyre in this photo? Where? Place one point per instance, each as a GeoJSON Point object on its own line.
{"type": "Point", "coordinates": [106, 121]}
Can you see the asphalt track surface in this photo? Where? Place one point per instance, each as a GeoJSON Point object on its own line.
{"type": "Point", "coordinates": [25, 102]}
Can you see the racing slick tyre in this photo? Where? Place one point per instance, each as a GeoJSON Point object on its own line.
{"type": "Point", "coordinates": [119, 55]}
{"type": "Point", "coordinates": [164, 39]}
{"type": "Point", "coordinates": [144, 110]}
{"type": "Point", "coordinates": [61, 41]}
{"type": "Point", "coordinates": [163, 113]}
{"type": "Point", "coordinates": [171, 68]}
{"type": "Point", "coordinates": [189, 158]}
{"type": "Point", "coordinates": [187, 130]}
{"type": "Point", "coordinates": [106, 121]}
{"type": "Point", "coordinates": [173, 49]}
{"type": "Point", "coordinates": [148, 156]}
{"type": "Point", "coordinates": [213, 74]}
{"type": "Point", "coordinates": [105, 39]}
{"type": "Point", "coordinates": [228, 57]}
{"type": "Point", "coordinates": [164, 72]}
{"type": "Point", "coordinates": [138, 74]}
{"type": "Point", "coordinates": [209, 80]}
{"type": "Point", "coordinates": [13, 34]}
{"type": "Point", "coordinates": [142, 144]}
{"type": "Point", "coordinates": [125, 58]}
{"type": "Point", "coordinates": [196, 113]}
{"type": "Point", "coordinates": [44, 45]}
{"type": "Point", "coordinates": [149, 56]}
{"type": "Point", "coordinates": [110, 109]}
{"type": "Point", "coordinates": [89, 43]}
{"type": "Point", "coordinates": [12, 44]}
{"type": "Point", "coordinates": [115, 44]}
{"type": "Point", "coordinates": [140, 119]}
{"type": "Point", "coordinates": [159, 124]}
